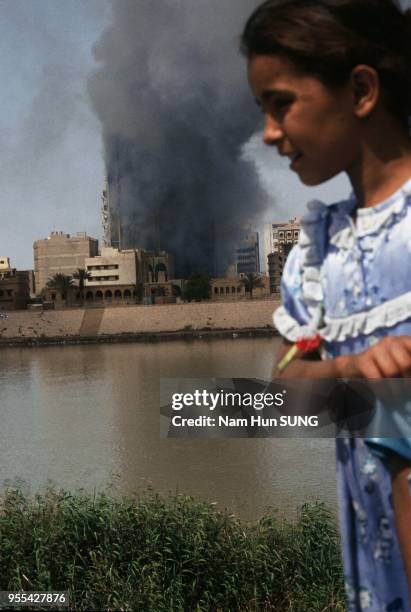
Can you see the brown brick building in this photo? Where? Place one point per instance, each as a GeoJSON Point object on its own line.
{"type": "Point", "coordinates": [61, 253]}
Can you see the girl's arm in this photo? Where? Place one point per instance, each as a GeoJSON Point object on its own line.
{"type": "Point", "coordinates": [389, 358]}
{"type": "Point", "coordinates": [401, 498]}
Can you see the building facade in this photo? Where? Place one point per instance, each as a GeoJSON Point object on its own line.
{"type": "Point", "coordinates": [61, 253]}
{"type": "Point", "coordinates": [248, 253]}
{"type": "Point", "coordinates": [128, 276]}
{"type": "Point", "coordinates": [113, 267]}
{"type": "Point", "coordinates": [14, 286]}
{"type": "Point", "coordinates": [280, 239]}
{"type": "Point", "coordinates": [231, 289]}
{"type": "Point", "coordinates": [114, 276]}
{"type": "Point", "coordinates": [160, 266]}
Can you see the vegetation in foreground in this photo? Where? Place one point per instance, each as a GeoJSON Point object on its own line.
{"type": "Point", "coordinates": [163, 554]}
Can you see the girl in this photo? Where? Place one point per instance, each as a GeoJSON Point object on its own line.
{"type": "Point", "coordinates": [333, 80]}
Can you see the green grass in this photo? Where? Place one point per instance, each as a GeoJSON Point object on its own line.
{"type": "Point", "coordinates": [159, 554]}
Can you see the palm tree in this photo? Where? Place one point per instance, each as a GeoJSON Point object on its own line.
{"type": "Point", "coordinates": [250, 281]}
{"type": "Point", "coordinates": [82, 275]}
{"type": "Point", "coordinates": [62, 283]}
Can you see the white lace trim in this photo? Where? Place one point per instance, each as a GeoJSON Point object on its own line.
{"type": "Point", "coordinates": [366, 322]}
{"type": "Point", "coordinates": [288, 327]}
{"type": "Point", "coordinates": [363, 323]}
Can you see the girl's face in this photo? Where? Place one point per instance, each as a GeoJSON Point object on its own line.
{"type": "Point", "coordinates": [314, 125]}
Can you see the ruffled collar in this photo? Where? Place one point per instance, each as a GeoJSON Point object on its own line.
{"type": "Point", "coordinates": [373, 219]}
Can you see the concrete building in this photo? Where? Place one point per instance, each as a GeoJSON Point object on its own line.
{"type": "Point", "coordinates": [274, 234]}
{"type": "Point", "coordinates": [114, 267]}
{"type": "Point", "coordinates": [160, 266]}
{"type": "Point", "coordinates": [14, 286]}
{"type": "Point", "coordinates": [248, 253]}
{"type": "Point", "coordinates": [61, 253]}
{"type": "Point", "coordinates": [115, 275]}
{"type": "Point", "coordinates": [119, 277]}
{"type": "Point", "coordinates": [280, 239]}
{"type": "Point", "coordinates": [231, 289]}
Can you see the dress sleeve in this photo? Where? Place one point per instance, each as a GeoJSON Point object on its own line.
{"type": "Point", "coordinates": [292, 318]}
{"type": "Point", "coordinates": [383, 447]}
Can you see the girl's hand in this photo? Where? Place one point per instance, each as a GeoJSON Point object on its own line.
{"type": "Point", "coordinates": [389, 358]}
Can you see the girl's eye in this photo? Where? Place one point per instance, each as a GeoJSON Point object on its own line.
{"type": "Point", "coordinates": [281, 104]}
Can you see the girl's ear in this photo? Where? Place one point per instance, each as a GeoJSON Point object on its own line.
{"type": "Point", "coordinates": [365, 86]}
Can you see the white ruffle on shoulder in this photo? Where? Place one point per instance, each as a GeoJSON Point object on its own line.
{"type": "Point", "coordinates": [333, 225]}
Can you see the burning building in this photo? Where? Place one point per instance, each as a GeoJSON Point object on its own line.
{"type": "Point", "coordinates": [175, 110]}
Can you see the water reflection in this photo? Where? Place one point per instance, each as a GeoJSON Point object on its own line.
{"type": "Point", "coordinates": [80, 414]}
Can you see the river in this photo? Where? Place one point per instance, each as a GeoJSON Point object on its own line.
{"type": "Point", "coordinates": [88, 417]}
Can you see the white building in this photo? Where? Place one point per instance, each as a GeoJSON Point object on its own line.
{"type": "Point", "coordinates": [279, 239]}
{"type": "Point", "coordinates": [114, 267]}
{"type": "Point", "coordinates": [284, 231]}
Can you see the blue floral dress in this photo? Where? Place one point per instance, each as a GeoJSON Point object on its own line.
{"type": "Point", "coordinates": [351, 280]}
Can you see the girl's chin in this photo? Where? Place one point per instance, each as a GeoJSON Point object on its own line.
{"type": "Point", "coordinates": [314, 179]}
{"type": "Point", "coordinates": [311, 182]}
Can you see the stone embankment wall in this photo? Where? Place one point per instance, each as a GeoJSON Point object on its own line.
{"type": "Point", "coordinates": [104, 323]}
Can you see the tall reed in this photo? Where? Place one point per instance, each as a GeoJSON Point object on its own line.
{"type": "Point", "coordinates": [159, 554]}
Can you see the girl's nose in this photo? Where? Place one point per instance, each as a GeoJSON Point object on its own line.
{"type": "Point", "coordinates": [272, 131]}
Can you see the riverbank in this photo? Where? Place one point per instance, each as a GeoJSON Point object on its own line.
{"type": "Point", "coordinates": [164, 554]}
{"type": "Point", "coordinates": [139, 323]}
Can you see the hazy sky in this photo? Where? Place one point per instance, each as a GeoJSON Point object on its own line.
{"type": "Point", "coordinates": [51, 167]}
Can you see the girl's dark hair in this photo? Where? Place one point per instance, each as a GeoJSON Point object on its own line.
{"type": "Point", "coordinates": [328, 38]}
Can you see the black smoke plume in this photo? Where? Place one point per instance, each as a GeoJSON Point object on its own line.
{"type": "Point", "coordinates": [174, 104]}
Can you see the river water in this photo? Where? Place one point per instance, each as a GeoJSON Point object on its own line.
{"type": "Point", "coordinates": [88, 417]}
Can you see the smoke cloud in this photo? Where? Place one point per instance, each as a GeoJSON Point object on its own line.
{"type": "Point", "coordinates": [173, 101]}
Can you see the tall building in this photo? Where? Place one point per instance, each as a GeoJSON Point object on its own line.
{"type": "Point", "coordinates": [61, 253]}
{"type": "Point", "coordinates": [248, 253]}
{"type": "Point", "coordinates": [279, 240]}
{"type": "Point", "coordinates": [127, 226]}
{"type": "Point", "coordinates": [110, 214]}
{"type": "Point", "coordinates": [272, 234]}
